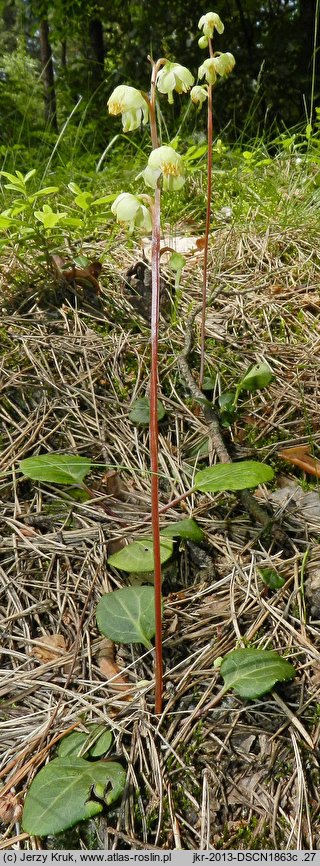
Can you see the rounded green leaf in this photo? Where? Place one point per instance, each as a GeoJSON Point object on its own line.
{"type": "Point", "coordinates": [140, 412]}
{"type": "Point", "coordinates": [72, 745]}
{"type": "Point", "coordinates": [257, 377]}
{"type": "Point", "coordinates": [233, 476]}
{"type": "Point", "coordinates": [208, 383]}
{"type": "Point", "coordinates": [60, 795]}
{"type": "Point", "coordinates": [127, 615]}
{"type": "Point", "coordinates": [253, 672]}
{"type": "Point", "coordinates": [79, 744]}
{"type": "Point", "coordinates": [227, 401]}
{"type": "Point", "coordinates": [102, 745]}
{"type": "Point", "coordinates": [56, 468]}
{"type": "Point", "coordinates": [138, 556]}
{"type": "Point", "coordinates": [187, 528]}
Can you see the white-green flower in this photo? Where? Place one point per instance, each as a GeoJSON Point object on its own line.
{"type": "Point", "coordinates": [128, 210]}
{"type": "Point", "coordinates": [165, 162]}
{"type": "Point", "coordinates": [210, 22]}
{"type": "Point", "coordinates": [207, 70]}
{"type": "Point", "coordinates": [130, 103]}
{"type": "Point", "coordinates": [199, 94]}
{"type": "Point", "coordinates": [221, 64]}
{"type": "Point", "coordinates": [172, 77]}
{"type": "Point", "coordinates": [224, 63]}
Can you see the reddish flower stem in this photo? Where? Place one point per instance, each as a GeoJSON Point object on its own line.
{"type": "Point", "coordinates": [153, 427]}
{"type": "Point", "coordinates": [155, 274]}
{"type": "Point", "coordinates": [207, 229]}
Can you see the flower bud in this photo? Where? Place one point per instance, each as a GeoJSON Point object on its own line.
{"type": "Point", "coordinates": [203, 42]}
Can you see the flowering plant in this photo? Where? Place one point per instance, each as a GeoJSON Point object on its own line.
{"type": "Point", "coordinates": [164, 170]}
{"type": "Point", "coordinates": [217, 64]}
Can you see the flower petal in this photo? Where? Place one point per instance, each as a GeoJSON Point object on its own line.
{"type": "Point", "coordinates": [210, 22]}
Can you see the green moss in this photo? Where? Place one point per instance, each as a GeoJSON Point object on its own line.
{"type": "Point", "coordinates": [246, 837]}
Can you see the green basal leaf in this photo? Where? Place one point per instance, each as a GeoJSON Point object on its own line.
{"type": "Point", "coordinates": [233, 476]}
{"type": "Point", "coordinates": [227, 401]}
{"type": "Point", "coordinates": [72, 745]}
{"type": "Point", "coordinates": [102, 745]}
{"type": "Point", "coordinates": [187, 528]}
{"type": "Point", "coordinates": [127, 615]}
{"type": "Point", "coordinates": [271, 578]}
{"type": "Point", "coordinates": [138, 556]}
{"type": "Point", "coordinates": [12, 177]}
{"type": "Point", "coordinates": [56, 468]}
{"type": "Point", "coordinates": [257, 377]}
{"type": "Point", "coordinates": [74, 222]}
{"type": "Point", "coordinates": [140, 412]}
{"type": "Point", "coordinates": [60, 795]}
{"type": "Point", "coordinates": [176, 262]}
{"type": "Point", "coordinates": [253, 672]}
{"type": "Point", "coordinates": [96, 743]}
{"type": "Point", "coordinates": [208, 383]}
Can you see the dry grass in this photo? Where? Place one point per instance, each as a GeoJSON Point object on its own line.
{"type": "Point", "coordinates": [238, 775]}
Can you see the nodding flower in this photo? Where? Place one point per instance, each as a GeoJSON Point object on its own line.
{"type": "Point", "coordinates": [164, 162]}
{"type": "Point", "coordinates": [209, 23]}
{"type": "Point", "coordinates": [199, 94]}
{"type": "Point", "coordinates": [172, 77]}
{"type": "Point", "coordinates": [218, 65]}
{"type": "Point", "coordinates": [130, 103]}
{"type": "Point", "coordinates": [131, 212]}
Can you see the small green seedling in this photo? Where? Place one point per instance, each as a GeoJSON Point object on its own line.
{"type": "Point", "coordinates": [271, 578]}
{"type": "Point", "coordinates": [257, 377]}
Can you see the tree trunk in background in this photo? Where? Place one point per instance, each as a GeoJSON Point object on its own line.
{"type": "Point", "coordinates": [97, 49]}
{"type": "Point", "coordinates": [50, 107]}
{"type": "Point", "coordinates": [307, 12]}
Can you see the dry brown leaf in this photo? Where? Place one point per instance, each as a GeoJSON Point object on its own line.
{"type": "Point", "coordinates": [300, 456]}
{"type": "Point", "coordinates": [10, 808]}
{"type": "Point", "coordinates": [111, 671]}
{"type": "Point", "coordinates": [74, 274]}
{"type": "Point", "coordinates": [49, 647]}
